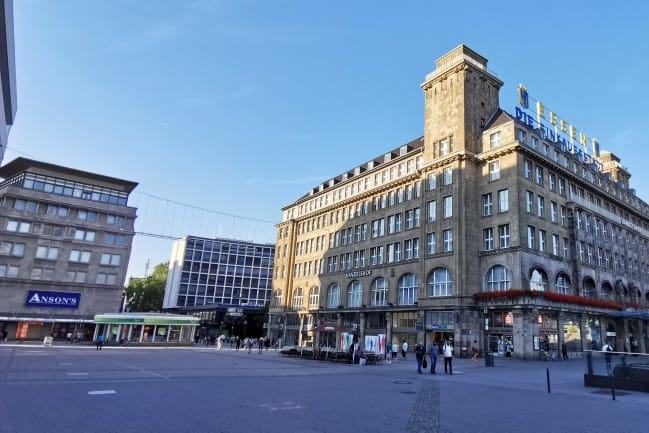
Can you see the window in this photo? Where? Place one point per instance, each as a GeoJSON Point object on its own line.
{"type": "Point", "coordinates": [448, 176]}
{"type": "Point", "coordinates": [447, 205]}
{"type": "Point", "coordinates": [333, 296]}
{"type": "Point", "coordinates": [448, 240]}
{"type": "Point", "coordinates": [432, 181]}
{"type": "Point", "coordinates": [8, 271]}
{"type": "Point", "coordinates": [75, 276]}
{"type": "Point", "coordinates": [440, 283]}
{"type": "Point", "coordinates": [538, 280]}
{"type": "Point", "coordinates": [407, 249]}
{"type": "Point", "coordinates": [563, 284]}
{"type": "Point", "coordinates": [359, 259]}
{"type": "Point", "coordinates": [494, 170]}
{"type": "Point", "coordinates": [503, 236]}
{"type": "Point", "coordinates": [551, 181]}
{"type": "Point", "coordinates": [379, 292]}
{"type": "Point", "coordinates": [376, 256]}
{"type": "Point", "coordinates": [527, 169]}
{"type": "Point", "coordinates": [488, 237]}
{"type": "Point", "coordinates": [112, 239]}
{"type": "Point", "coordinates": [521, 136]}
{"type": "Point", "coordinates": [443, 147]}
{"type": "Point", "coordinates": [84, 235]}
{"type": "Point", "coordinates": [297, 298]}
{"type": "Point", "coordinates": [378, 228]}
{"type": "Point", "coordinates": [87, 215]}
{"type": "Point", "coordinates": [47, 253]}
{"type": "Point", "coordinates": [408, 289]}
{"type": "Point", "coordinates": [411, 221]}
{"type": "Point", "coordinates": [432, 210]}
{"type": "Point", "coordinates": [555, 245]}
{"type": "Point", "coordinates": [79, 256]}
{"type": "Point", "coordinates": [529, 202]}
{"type": "Point", "coordinates": [531, 234]}
{"type": "Point", "coordinates": [540, 206]}
{"type": "Point", "coordinates": [394, 252]}
{"type": "Point", "coordinates": [564, 215]}
{"type": "Point", "coordinates": [106, 279]}
{"type": "Point", "coordinates": [314, 297]}
{"type": "Point", "coordinates": [18, 226]}
{"type": "Point", "coordinates": [498, 279]}
{"type": "Point", "coordinates": [42, 274]}
{"type": "Point", "coordinates": [495, 139]}
{"type": "Point", "coordinates": [562, 187]}
{"type": "Point", "coordinates": [110, 259]}
{"type": "Point", "coordinates": [354, 294]}
{"type": "Point", "coordinates": [538, 172]}
{"type": "Point", "coordinates": [554, 212]}
{"type": "Point", "coordinates": [503, 200]}
{"type": "Point", "coordinates": [487, 204]}
{"type": "Point", "coordinates": [27, 206]}
{"type": "Point", "coordinates": [57, 211]}
{"type": "Point", "coordinates": [115, 220]}
{"type": "Point", "coordinates": [565, 248]}
{"type": "Point", "coordinates": [12, 249]}
{"type": "Point", "coordinates": [542, 240]}
{"type": "Point", "coordinates": [430, 243]}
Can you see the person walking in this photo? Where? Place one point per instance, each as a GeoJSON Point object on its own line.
{"type": "Point", "coordinates": [564, 351]}
{"type": "Point", "coordinates": [420, 351]}
{"type": "Point", "coordinates": [395, 350]}
{"type": "Point", "coordinates": [448, 357]}
{"type": "Point", "coordinates": [434, 353]}
{"type": "Point", "coordinates": [404, 349]}
{"type": "Point", "coordinates": [476, 351]}
{"type": "Point", "coordinates": [237, 343]}
{"type": "Point", "coordinates": [100, 342]}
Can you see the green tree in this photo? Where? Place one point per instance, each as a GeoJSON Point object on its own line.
{"type": "Point", "coordinates": [146, 294]}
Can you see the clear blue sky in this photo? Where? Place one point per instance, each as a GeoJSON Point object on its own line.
{"type": "Point", "coordinates": [242, 106]}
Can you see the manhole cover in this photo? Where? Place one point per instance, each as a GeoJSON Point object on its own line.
{"type": "Point", "coordinates": [402, 382]}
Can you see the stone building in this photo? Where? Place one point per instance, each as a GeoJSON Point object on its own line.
{"type": "Point", "coordinates": [505, 229]}
{"type": "Point", "coordinates": [65, 243]}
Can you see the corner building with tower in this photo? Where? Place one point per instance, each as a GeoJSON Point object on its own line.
{"type": "Point", "coordinates": [505, 229]}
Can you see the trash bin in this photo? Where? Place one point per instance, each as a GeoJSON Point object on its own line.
{"type": "Point", "coordinates": [489, 360]}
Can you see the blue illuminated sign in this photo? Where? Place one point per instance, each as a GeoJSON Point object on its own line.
{"type": "Point", "coordinates": [42, 298]}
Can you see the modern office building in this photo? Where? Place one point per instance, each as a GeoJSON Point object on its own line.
{"type": "Point", "coordinates": [510, 229]}
{"type": "Point", "coordinates": [7, 73]}
{"type": "Point", "coordinates": [65, 243]}
{"type": "Point", "coordinates": [227, 283]}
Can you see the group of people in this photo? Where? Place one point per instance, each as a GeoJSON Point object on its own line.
{"type": "Point", "coordinates": [434, 352]}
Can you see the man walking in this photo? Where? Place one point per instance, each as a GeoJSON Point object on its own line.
{"type": "Point", "coordinates": [420, 351]}
{"type": "Point", "coordinates": [434, 353]}
{"type": "Point", "coordinates": [404, 349]}
{"type": "Point", "coordinates": [448, 357]}
{"type": "Point", "coordinates": [100, 342]}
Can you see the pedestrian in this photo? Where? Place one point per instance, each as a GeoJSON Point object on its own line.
{"type": "Point", "coordinates": [395, 350]}
{"type": "Point", "coordinates": [249, 344]}
{"type": "Point", "coordinates": [5, 334]}
{"type": "Point", "coordinates": [434, 353]}
{"type": "Point", "coordinates": [476, 351]}
{"type": "Point", "coordinates": [606, 348]}
{"type": "Point", "coordinates": [564, 351]}
{"type": "Point", "coordinates": [448, 357]}
{"type": "Point", "coordinates": [404, 349]}
{"type": "Point", "coordinates": [420, 351]}
{"type": "Point", "coordinates": [260, 345]}
{"type": "Point", "coordinates": [266, 342]}
{"type": "Point", "coordinates": [237, 343]}
{"type": "Point", "coordinates": [100, 342]}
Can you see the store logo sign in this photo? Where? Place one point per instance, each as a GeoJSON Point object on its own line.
{"type": "Point", "coordinates": [42, 298]}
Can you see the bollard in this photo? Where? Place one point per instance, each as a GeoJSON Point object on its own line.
{"type": "Point", "coordinates": [547, 373]}
{"type": "Point", "coordinates": [612, 387]}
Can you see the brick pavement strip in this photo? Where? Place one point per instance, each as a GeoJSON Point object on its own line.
{"type": "Point", "coordinates": [425, 413]}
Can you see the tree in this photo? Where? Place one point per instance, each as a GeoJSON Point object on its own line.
{"type": "Point", "coordinates": [146, 294]}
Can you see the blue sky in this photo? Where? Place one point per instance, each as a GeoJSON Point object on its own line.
{"type": "Point", "coordinates": [241, 106]}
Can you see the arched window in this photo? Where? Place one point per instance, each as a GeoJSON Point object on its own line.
{"type": "Point", "coordinates": [498, 279]}
{"type": "Point", "coordinates": [333, 295]}
{"type": "Point", "coordinates": [563, 284]}
{"type": "Point", "coordinates": [277, 299]}
{"type": "Point", "coordinates": [314, 297]}
{"type": "Point", "coordinates": [297, 298]}
{"type": "Point", "coordinates": [354, 294]}
{"type": "Point", "coordinates": [379, 292]}
{"type": "Point", "coordinates": [607, 291]}
{"type": "Point", "coordinates": [440, 283]}
{"type": "Point", "coordinates": [408, 289]}
{"type": "Point", "coordinates": [538, 280]}
{"type": "Point", "coordinates": [588, 291]}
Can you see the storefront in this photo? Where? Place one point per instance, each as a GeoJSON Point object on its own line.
{"type": "Point", "coordinates": [126, 328]}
